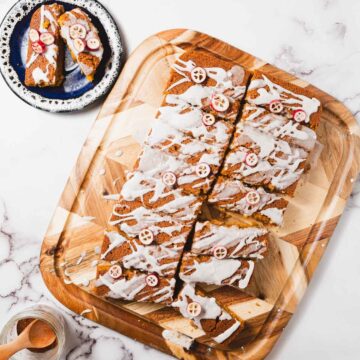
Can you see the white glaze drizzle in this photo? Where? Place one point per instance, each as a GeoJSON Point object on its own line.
{"type": "Point", "coordinates": [188, 147]}
{"type": "Point", "coordinates": [188, 120]}
{"type": "Point", "coordinates": [210, 310]}
{"type": "Point", "coordinates": [244, 241]}
{"type": "Point", "coordinates": [132, 289]}
{"type": "Point", "coordinates": [51, 53]}
{"type": "Point", "coordinates": [227, 333]}
{"type": "Point", "coordinates": [280, 127]}
{"type": "Point", "coordinates": [182, 207]}
{"type": "Point", "coordinates": [155, 258]}
{"type": "Point", "coordinates": [212, 271]}
{"type": "Point", "coordinates": [225, 81]}
{"type": "Point", "coordinates": [227, 190]}
{"type": "Point", "coordinates": [279, 163]}
{"type": "Point", "coordinates": [288, 98]}
{"type": "Point", "coordinates": [153, 164]}
{"type": "Point", "coordinates": [146, 219]}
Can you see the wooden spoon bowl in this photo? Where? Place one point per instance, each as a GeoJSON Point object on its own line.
{"type": "Point", "coordinates": [22, 325]}
{"type": "Point", "coordinates": [38, 335]}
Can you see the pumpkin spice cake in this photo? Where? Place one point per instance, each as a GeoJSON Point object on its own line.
{"type": "Point", "coordinates": [207, 314]}
{"type": "Point", "coordinates": [143, 253]}
{"type": "Point", "coordinates": [282, 98]}
{"type": "Point", "coordinates": [259, 159]}
{"type": "Point", "coordinates": [117, 283]}
{"type": "Point", "coordinates": [224, 242]}
{"type": "Point", "coordinates": [182, 154]}
{"type": "Point", "coordinates": [209, 270]}
{"type": "Point", "coordinates": [202, 80]}
{"type": "Point", "coordinates": [164, 229]}
{"type": "Point", "coordinates": [279, 126]}
{"type": "Point", "coordinates": [45, 53]}
{"type": "Point", "coordinates": [233, 195]}
{"type": "Point", "coordinates": [157, 175]}
{"type": "Point", "coordinates": [196, 151]}
{"type": "Point", "coordinates": [83, 41]}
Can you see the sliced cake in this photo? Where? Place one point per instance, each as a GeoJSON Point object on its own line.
{"type": "Point", "coordinates": [83, 41]}
{"type": "Point", "coordinates": [45, 53]}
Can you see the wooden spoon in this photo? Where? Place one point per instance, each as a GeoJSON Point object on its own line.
{"type": "Point", "coordinates": [37, 335]}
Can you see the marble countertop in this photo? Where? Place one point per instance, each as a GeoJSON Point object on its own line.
{"type": "Point", "coordinates": [316, 40]}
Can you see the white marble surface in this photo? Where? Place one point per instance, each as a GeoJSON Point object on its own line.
{"type": "Point", "coordinates": [316, 40]}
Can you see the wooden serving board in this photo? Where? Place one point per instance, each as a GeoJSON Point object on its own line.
{"type": "Point", "coordinates": [76, 232]}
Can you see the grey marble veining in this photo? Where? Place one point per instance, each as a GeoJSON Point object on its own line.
{"type": "Point", "coordinates": [316, 40]}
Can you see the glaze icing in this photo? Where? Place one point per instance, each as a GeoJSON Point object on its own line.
{"type": "Point", "coordinates": [228, 82]}
{"type": "Point", "coordinates": [135, 288]}
{"type": "Point", "coordinates": [280, 165]}
{"type": "Point", "coordinates": [153, 164]}
{"type": "Point", "coordinates": [45, 74]}
{"type": "Point", "coordinates": [160, 259]}
{"type": "Point", "coordinates": [211, 271]}
{"type": "Point", "coordinates": [230, 194]}
{"type": "Point", "coordinates": [77, 16]}
{"type": "Point", "coordinates": [280, 126]}
{"type": "Point", "coordinates": [185, 148]}
{"type": "Point", "coordinates": [240, 242]}
{"type": "Point", "coordinates": [138, 219]}
{"type": "Point", "coordinates": [268, 91]}
{"type": "Point", "coordinates": [210, 310]}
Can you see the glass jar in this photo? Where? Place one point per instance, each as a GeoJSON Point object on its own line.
{"type": "Point", "coordinates": [46, 314]}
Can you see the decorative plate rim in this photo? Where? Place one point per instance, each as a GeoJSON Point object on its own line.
{"type": "Point", "coordinates": [94, 7]}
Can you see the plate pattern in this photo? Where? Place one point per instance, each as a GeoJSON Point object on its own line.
{"type": "Point", "coordinates": [57, 102]}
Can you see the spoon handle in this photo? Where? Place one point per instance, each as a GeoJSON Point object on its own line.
{"type": "Point", "coordinates": [8, 350]}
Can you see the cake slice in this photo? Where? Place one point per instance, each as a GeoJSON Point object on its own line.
{"type": "Point", "coordinates": [259, 159]}
{"type": "Point", "coordinates": [83, 41]}
{"type": "Point", "coordinates": [131, 285]}
{"type": "Point", "coordinates": [279, 126]}
{"type": "Point", "coordinates": [204, 80]}
{"type": "Point", "coordinates": [142, 253]}
{"type": "Point", "coordinates": [194, 122]}
{"type": "Point", "coordinates": [284, 99]}
{"type": "Point", "coordinates": [158, 176]}
{"type": "Point", "coordinates": [207, 314]}
{"type": "Point", "coordinates": [209, 270]}
{"type": "Point", "coordinates": [224, 242]}
{"type": "Point", "coordinates": [233, 195]}
{"type": "Point", "coordinates": [183, 208]}
{"type": "Point", "coordinates": [164, 229]}
{"type": "Point", "coordinates": [45, 53]}
{"type": "Point", "coordinates": [202, 161]}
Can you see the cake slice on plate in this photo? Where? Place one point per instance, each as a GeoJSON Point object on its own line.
{"type": "Point", "coordinates": [45, 54]}
{"type": "Point", "coordinates": [83, 41]}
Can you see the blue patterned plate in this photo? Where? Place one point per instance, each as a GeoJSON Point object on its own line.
{"type": "Point", "coordinates": [76, 93]}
